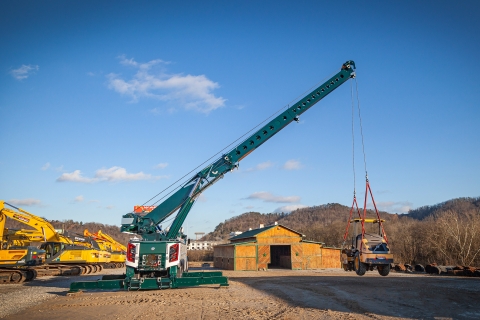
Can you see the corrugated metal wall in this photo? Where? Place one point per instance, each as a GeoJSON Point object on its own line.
{"type": "Point", "coordinates": [331, 258]}
{"type": "Point", "coordinates": [224, 257]}
{"type": "Point", "coordinates": [246, 257]}
{"type": "Point", "coordinates": [312, 256]}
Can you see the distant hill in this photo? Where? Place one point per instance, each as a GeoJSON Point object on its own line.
{"type": "Point", "coordinates": [324, 223]}
{"type": "Point", "coordinates": [424, 235]}
{"type": "Point", "coordinates": [461, 205]}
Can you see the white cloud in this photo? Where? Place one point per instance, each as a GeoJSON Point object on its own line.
{"type": "Point", "coordinates": [46, 166]}
{"type": "Point", "coordinates": [24, 71]}
{"type": "Point", "coordinates": [75, 176]}
{"type": "Point", "coordinates": [162, 165]}
{"type": "Point", "coordinates": [260, 166]}
{"type": "Point", "coordinates": [189, 91]}
{"type": "Point", "coordinates": [110, 207]}
{"type": "Point", "coordinates": [392, 206]}
{"type": "Point", "coordinates": [78, 199]}
{"type": "Point", "coordinates": [290, 208]}
{"type": "Point", "coordinates": [113, 174]}
{"type": "Point", "coordinates": [25, 202]}
{"type": "Point", "coordinates": [120, 174]}
{"type": "Point", "coordinates": [268, 197]}
{"type": "Point", "coordinates": [292, 165]}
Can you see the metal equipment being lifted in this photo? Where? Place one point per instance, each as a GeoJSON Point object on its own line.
{"type": "Point", "coordinates": [367, 250]}
{"type": "Point", "coordinates": [159, 259]}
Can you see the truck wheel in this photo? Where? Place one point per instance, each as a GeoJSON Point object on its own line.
{"type": "Point", "coordinates": [384, 270]}
{"type": "Point", "coordinates": [360, 267]}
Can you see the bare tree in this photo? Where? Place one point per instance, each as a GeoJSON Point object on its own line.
{"type": "Point", "coordinates": [457, 236]}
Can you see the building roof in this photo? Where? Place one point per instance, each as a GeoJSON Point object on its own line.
{"type": "Point", "coordinates": [235, 244]}
{"type": "Point", "coordinates": [255, 232]}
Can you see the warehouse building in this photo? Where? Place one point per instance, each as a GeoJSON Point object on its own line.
{"type": "Point", "coordinates": [274, 246]}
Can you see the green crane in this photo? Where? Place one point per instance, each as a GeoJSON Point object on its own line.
{"type": "Point", "coordinates": [159, 259]}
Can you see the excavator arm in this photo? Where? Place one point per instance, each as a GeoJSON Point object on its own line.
{"type": "Point", "coordinates": [41, 225]}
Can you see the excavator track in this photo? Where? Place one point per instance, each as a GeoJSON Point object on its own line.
{"type": "Point", "coordinates": [8, 276]}
{"type": "Point", "coordinates": [114, 265]}
{"type": "Point", "coordinates": [14, 275]}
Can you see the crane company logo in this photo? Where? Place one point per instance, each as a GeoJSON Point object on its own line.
{"type": "Point", "coordinates": [21, 218]}
{"type": "Point", "coordinates": [140, 209]}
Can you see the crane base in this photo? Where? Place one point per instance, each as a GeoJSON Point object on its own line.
{"type": "Point", "coordinates": [121, 282]}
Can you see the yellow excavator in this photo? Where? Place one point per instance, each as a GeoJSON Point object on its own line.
{"type": "Point", "coordinates": [107, 243]}
{"type": "Point", "coordinates": [17, 262]}
{"type": "Point", "coordinates": [65, 253]}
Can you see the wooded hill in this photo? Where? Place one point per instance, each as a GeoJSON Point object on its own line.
{"type": "Point", "coordinates": [325, 223]}
{"type": "Point", "coordinates": [447, 233]}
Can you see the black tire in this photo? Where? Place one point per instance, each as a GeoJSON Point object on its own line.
{"type": "Point", "coordinates": [360, 267]}
{"type": "Point", "coordinates": [384, 270]}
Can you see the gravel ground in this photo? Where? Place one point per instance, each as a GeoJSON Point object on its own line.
{"type": "Point", "coordinates": [17, 297]}
{"type": "Point", "coordinates": [272, 294]}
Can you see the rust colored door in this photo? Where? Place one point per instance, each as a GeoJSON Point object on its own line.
{"type": "Point", "coordinates": [297, 257]}
{"type": "Point", "coordinates": [263, 257]}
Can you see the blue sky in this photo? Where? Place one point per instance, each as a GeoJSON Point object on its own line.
{"type": "Point", "coordinates": [104, 104]}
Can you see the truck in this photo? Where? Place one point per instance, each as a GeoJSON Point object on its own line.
{"type": "Point", "coordinates": [158, 259]}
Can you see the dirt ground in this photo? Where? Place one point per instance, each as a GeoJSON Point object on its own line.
{"type": "Point", "coordinates": [272, 294]}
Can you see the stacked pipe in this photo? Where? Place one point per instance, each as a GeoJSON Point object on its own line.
{"type": "Point", "coordinates": [433, 268]}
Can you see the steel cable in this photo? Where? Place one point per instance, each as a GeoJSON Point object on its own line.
{"type": "Point", "coordinates": [219, 152]}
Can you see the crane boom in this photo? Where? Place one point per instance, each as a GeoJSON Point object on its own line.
{"type": "Point", "coordinates": [184, 198]}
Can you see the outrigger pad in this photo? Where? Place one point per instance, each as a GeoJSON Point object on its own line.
{"type": "Point", "coordinates": [120, 282]}
{"type": "Point", "coordinates": [96, 285]}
